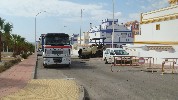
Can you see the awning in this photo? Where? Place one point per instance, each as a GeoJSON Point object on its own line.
{"type": "Point", "coordinates": [159, 48]}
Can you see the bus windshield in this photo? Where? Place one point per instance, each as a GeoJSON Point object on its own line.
{"type": "Point", "coordinates": [57, 40]}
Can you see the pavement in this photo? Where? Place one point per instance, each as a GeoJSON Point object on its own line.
{"type": "Point", "coordinates": [17, 83]}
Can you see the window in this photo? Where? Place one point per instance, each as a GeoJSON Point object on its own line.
{"type": "Point", "coordinates": [129, 35]}
{"type": "Point", "coordinates": [123, 35]}
{"type": "Point", "coordinates": [157, 26]}
{"type": "Point", "coordinates": [107, 51]}
{"type": "Point", "coordinates": [108, 35]}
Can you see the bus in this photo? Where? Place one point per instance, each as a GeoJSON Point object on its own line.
{"type": "Point", "coordinates": [57, 49]}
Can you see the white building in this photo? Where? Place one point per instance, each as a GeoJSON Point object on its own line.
{"type": "Point", "coordinates": [158, 37]}
{"type": "Point", "coordinates": [122, 35]}
{"type": "Point", "coordinates": [74, 38]}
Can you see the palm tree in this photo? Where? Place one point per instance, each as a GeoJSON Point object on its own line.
{"type": "Point", "coordinates": [7, 29]}
{"type": "Point", "coordinates": [1, 28]}
{"type": "Point", "coordinates": [13, 44]}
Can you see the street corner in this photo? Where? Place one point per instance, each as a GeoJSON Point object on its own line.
{"type": "Point", "coordinates": [54, 89]}
{"type": "Point", "coordinates": [80, 88]}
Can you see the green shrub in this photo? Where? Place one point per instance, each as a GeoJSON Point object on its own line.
{"type": "Point", "coordinates": [24, 56]}
{"type": "Point", "coordinates": [9, 64]}
{"type": "Point", "coordinates": [2, 68]}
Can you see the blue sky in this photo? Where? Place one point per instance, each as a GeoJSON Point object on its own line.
{"type": "Point", "coordinates": [60, 13]}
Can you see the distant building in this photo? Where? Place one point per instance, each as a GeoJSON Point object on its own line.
{"type": "Point", "coordinates": [74, 38]}
{"type": "Point", "coordinates": [122, 35]}
{"type": "Point", "coordinates": [134, 26]}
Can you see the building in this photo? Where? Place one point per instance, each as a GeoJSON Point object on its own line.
{"type": "Point", "coordinates": [74, 38]}
{"type": "Point", "coordinates": [134, 26]}
{"type": "Point", "coordinates": [158, 33]}
{"type": "Point", "coordinates": [122, 35]}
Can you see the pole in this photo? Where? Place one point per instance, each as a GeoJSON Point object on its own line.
{"type": "Point", "coordinates": [0, 45]}
{"type": "Point", "coordinates": [35, 37]}
{"type": "Point", "coordinates": [35, 32]}
{"type": "Point", "coordinates": [113, 25]}
{"type": "Point", "coordinates": [80, 27]}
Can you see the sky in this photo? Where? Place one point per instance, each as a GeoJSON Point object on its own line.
{"type": "Point", "coordinates": [64, 16]}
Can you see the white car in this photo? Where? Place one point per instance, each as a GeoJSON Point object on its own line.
{"type": "Point", "coordinates": [110, 52]}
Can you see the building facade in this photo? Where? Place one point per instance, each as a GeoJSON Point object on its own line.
{"type": "Point", "coordinates": [122, 35]}
{"type": "Point", "coordinates": [158, 33]}
{"type": "Point", "coordinates": [74, 38]}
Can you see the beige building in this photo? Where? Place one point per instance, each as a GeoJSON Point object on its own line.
{"type": "Point", "coordinates": [158, 33]}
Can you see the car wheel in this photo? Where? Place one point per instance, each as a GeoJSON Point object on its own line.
{"type": "Point", "coordinates": [106, 62]}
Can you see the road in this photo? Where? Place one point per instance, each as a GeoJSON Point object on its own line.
{"type": "Point", "coordinates": [125, 83]}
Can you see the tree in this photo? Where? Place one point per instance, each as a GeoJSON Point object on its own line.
{"type": "Point", "coordinates": [7, 29]}
{"type": "Point", "coordinates": [1, 28]}
{"type": "Point", "coordinates": [20, 45]}
{"type": "Point", "coordinates": [13, 43]}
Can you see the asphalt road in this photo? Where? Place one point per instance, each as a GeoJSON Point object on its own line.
{"type": "Point", "coordinates": [125, 83]}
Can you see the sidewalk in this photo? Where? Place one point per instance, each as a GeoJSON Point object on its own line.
{"type": "Point", "coordinates": [17, 76]}
{"type": "Point", "coordinates": [16, 83]}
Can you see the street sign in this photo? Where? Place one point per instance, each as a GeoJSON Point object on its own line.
{"type": "Point", "coordinates": [141, 60]}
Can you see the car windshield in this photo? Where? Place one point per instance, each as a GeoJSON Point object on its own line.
{"type": "Point", "coordinates": [120, 52]}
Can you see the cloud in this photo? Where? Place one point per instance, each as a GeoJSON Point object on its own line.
{"type": "Point", "coordinates": [153, 4]}
{"type": "Point", "coordinates": [63, 9]}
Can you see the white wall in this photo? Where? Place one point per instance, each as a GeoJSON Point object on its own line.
{"type": "Point", "coordinates": [168, 31]}
{"type": "Point", "coordinates": [157, 55]}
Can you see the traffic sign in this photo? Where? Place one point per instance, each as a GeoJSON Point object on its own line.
{"type": "Point", "coordinates": [141, 60]}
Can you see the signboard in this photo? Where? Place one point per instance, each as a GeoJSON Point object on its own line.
{"type": "Point", "coordinates": [141, 60]}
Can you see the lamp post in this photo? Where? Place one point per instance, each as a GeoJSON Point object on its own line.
{"type": "Point", "coordinates": [35, 31]}
{"type": "Point", "coordinates": [113, 25]}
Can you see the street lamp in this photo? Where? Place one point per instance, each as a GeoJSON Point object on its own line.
{"type": "Point", "coordinates": [35, 31]}
{"type": "Point", "coordinates": [113, 25]}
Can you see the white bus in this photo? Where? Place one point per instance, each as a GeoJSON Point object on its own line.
{"type": "Point", "coordinates": [57, 49]}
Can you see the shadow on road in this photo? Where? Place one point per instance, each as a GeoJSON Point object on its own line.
{"type": "Point", "coordinates": [75, 64]}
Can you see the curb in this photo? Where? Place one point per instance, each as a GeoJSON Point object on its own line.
{"type": "Point", "coordinates": [81, 92]}
{"type": "Point", "coordinates": [34, 76]}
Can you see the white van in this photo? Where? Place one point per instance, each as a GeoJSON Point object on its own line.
{"type": "Point", "coordinates": [110, 52]}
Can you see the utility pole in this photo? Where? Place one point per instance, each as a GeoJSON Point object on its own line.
{"type": "Point", "coordinates": [81, 26]}
{"type": "Point", "coordinates": [113, 25]}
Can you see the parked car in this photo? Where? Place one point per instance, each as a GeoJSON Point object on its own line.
{"type": "Point", "coordinates": [110, 52]}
